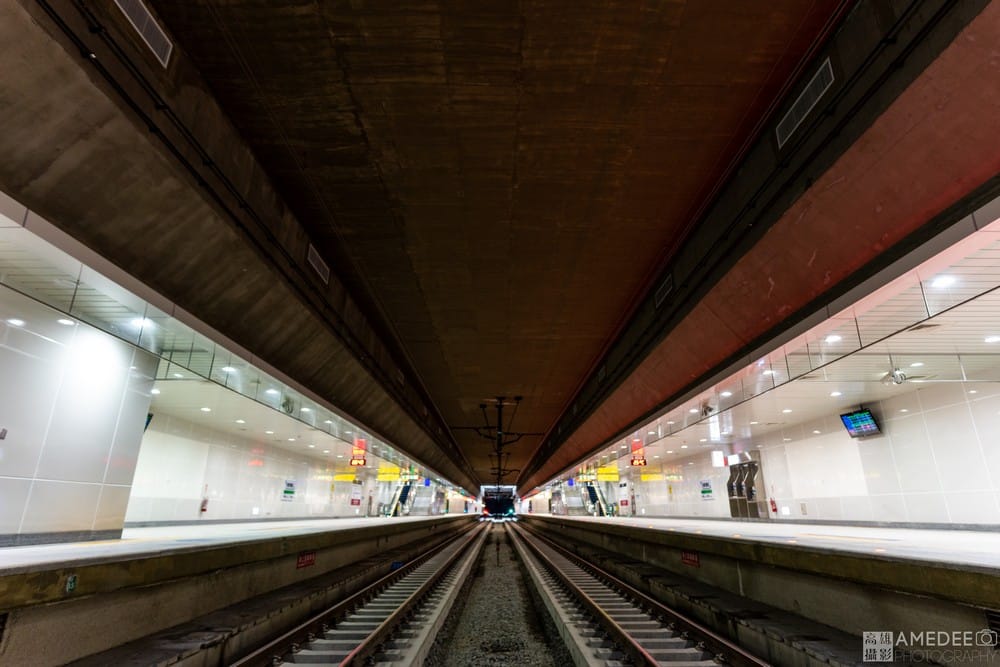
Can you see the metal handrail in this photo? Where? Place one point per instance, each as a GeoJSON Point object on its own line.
{"type": "Point", "coordinates": [714, 643]}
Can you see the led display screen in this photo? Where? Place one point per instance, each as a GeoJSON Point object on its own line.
{"type": "Point", "coordinates": [860, 423]}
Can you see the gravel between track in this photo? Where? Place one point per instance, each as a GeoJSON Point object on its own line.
{"type": "Point", "coordinates": [498, 623]}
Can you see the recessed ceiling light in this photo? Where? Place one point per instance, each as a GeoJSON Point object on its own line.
{"type": "Point", "coordinates": [703, 440]}
{"type": "Point", "coordinates": [786, 410]}
{"type": "Point", "coordinates": [291, 440]}
{"type": "Point", "coordinates": [312, 446]}
{"type": "Point", "coordinates": [693, 411]}
{"type": "Point", "coordinates": [348, 432]}
{"type": "Point", "coordinates": [328, 421]}
{"type": "Point", "coordinates": [817, 432]}
{"type": "Point", "coordinates": [835, 394]}
{"type": "Point", "coordinates": [992, 339]}
{"type": "Point", "coordinates": [904, 410]}
{"type": "Point", "coordinates": [657, 456]}
{"type": "Point", "coordinates": [726, 394]}
{"type": "Point", "coordinates": [228, 369]}
{"type": "Point", "coordinates": [623, 447]}
{"type": "Point", "coordinates": [269, 432]}
{"type": "Point", "coordinates": [833, 338]}
{"type": "Point", "coordinates": [272, 391]}
{"type": "Point", "coordinates": [943, 281]}
{"type": "Point", "coordinates": [240, 421]}
{"type": "Point", "coordinates": [769, 372]}
{"type": "Point", "coordinates": [650, 432]}
{"type": "Point", "coordinates": [15, 322]}
{"type": "Point", "coordinates": [142, 322]}
{"type": "Point", "coordinates": [154, 391]}
{"type": "Point", "coordinates": [670, 423]}
{"type": "Point", "coordinates": [972, 391]}
{"type": "Point", "coordinates": [670, 451]}
{"type": "Point", "coordinates": [690, 463]}
{"type": "Point", "coordinates": [306, 409]}
{"type": "Point", "coordinates": [787, 439]}
{"type": "Point", "coordinates": [178, 375]}
{"type": "Point", "coordinates": [754, 423]}
{"type": "Point", "coordinates": [326, 451]}
{"type": "Point", "coordinates": [684, 446]}
{"type": "Point", "coordinates": [66, 323]}
{"type": "Point", "coordinates": [206, 409]}
{"type": "Point", "coordinates": [916, 364]}
{"type": "Point", "coordinates": [340, 456]}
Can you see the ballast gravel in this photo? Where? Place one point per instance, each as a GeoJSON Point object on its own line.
{"type": "Point", "coordinates": [498, 625]}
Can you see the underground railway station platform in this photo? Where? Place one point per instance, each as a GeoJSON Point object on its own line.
{"type": "Point", "coordinates": [522, 333]}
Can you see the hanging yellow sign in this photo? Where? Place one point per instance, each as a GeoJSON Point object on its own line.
{"type": "Point", "coordinates": [607, 474]}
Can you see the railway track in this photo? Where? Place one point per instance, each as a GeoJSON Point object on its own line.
{"type": "Point", "coordinates": [604, 621]}
{"type": "Point", "coordinates": [601, 620]}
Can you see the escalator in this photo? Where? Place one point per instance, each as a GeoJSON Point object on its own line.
{"type": "Point", "coordinates": [404, 494]}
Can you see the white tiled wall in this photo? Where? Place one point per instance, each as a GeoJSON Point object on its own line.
{"type": "Point", "coordinates": [74, 402]}
{"type": "Point", "coordinates": [936, 461]}
{"type": "Point", "coordinates": [674, 489]}
{"type": "Point", "coordinates": [181, 463]}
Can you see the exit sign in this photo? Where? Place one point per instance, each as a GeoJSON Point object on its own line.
{"type": "Point", "coordinates": [357, 462]}
{"type": "Point", "coordinates": [638, 460]}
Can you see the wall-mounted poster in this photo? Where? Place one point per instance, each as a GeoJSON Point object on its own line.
{"type": "Point", "coordinates": [706, 489]}
{"type": "Point", "coordinates": [288, 495]}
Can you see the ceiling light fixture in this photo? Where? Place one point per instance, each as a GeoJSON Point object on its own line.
{"type": "Point", "coordinates": [228, 369]}
{"type": "Point", "coordinates": [272, 392]}
{"type": "Point", "coordinates": [178, 375]}
{"type": "Point", "coordinates": [904, 410]}
{"type": "Point", "coordinates": [306, 409]}
{"type": "Point", "coordinates": [312, 446]}
{"type": "Point", "coordinates": [726, 394]}
{"type": "Point", "coordinates": [684, 446]}
{"type": "Point", "coordinates": [943, 281]}
{"type": "Point", "coordinates": [650, 432]}
{"type": "Point", "coordinates": [671, 423]}
{"type": "Point", "coordinates": [754, 423]}
{"type": "Point", "coordinates": [835, 394]}
{"type": "Point", "coordinates": [140, 322]}
{"type": "Point", "coordinates": [833, 338]}
{"type": "Point", "coordinates": [786, 410]}
{"type": "Point", "coordinates": [240, 421]}
{"type": "Point", "coordinates": [703, 440]}
{"type": "Point", "coordinates": [816, 431]}
{"type": "Point", "coordinates": [269, 432]}
{"type": "Point", "coordinates": [693, 411]}
{"type": "Point", "coordinates": [66, 323]}
{"type": "Point", "coordinates": [326, 451]}
{"type": "Point", "coordinates": [291, 440]}
{"type": "Point", "coordinates": [154, 392]}
{"type": "Point", "coordinates": [328, 421]}
{"type": "Point", "coordinates": [206, 409]}
{"type": "Point", "coordinates": [988, 339]}
{"type": "Point", "coordinates": [768, 372]}
{"type": "Point", "coordinates": [916, 364]}
{"type": "Point", "coordinates": [670, 451]}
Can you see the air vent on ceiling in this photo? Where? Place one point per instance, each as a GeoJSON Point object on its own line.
{"type": "Point", "coordinates": [921, 327]}
{"type": "Point", "coordinates": [147, 27]}
{"type": "Point", "coordinates": [318, 264]}
{"type": "Point", "coordinates": [665, 288]}
{"type": "Point", "coordinates": [807, 99]}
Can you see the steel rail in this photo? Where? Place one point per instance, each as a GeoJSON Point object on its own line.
{"type": "Point", "coordinates": [714, 643]}
{"type": "Point", "coordinates": [289, 642]}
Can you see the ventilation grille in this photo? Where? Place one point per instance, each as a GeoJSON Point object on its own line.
{"type": "Point", "coordinates": [318, 264]}
{"type": "Point", "coordinates": [663, 291]}
{"type": "Point", "coordinates": [809, 98]}
{"type": "Point", "coordinates": [147, 27]}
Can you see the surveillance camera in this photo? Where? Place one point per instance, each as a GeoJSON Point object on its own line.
{"type": "Point", "coordinates": [898, 376]}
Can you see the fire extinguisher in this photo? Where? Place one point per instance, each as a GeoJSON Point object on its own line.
{"type": "Point", "coordinates": [774, 506]}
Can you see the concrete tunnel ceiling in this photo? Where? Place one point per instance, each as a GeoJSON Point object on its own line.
{"type": "Point", "coordinates": [498, 188]}
{"type": "Point", "coordinates": [497, 183]}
